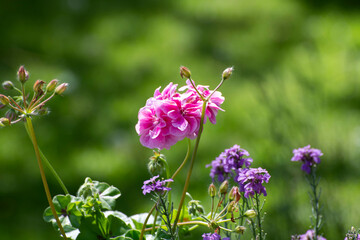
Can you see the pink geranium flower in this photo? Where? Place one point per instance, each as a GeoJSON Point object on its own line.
{"type": "Point", "coordinates": [170, 116]}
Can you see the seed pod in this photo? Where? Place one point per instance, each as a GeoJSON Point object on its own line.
{"type": "Point", "coordinates": [240, 229]}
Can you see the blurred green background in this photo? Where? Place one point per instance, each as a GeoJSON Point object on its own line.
{"type": "Point", "coordinates": [296, 82]}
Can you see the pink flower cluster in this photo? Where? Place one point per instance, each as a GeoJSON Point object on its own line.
{"type": "Point", "coordinates": [174, 114]}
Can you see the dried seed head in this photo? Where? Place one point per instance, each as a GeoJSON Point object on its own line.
{"type": "Point", "coordinates": [38, 85]}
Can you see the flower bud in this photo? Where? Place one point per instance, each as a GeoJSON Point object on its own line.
{"type": "Point", "coordinates": [234, 194]}
{"type": "Point", "coordinates": [157, 165]}
{"type": "Point", "coordinates": [240, 229]}
{"type": "Point", "coordinates": [231, 206]}
{"type": "Point", "coordinates": [52, 85]}
{"type": "Point", "coordinates": [185, 72]}
{"type": "Point", "coordinates": [227, 73]}
{"type": "Point", "coordinates": [61, 88]}
{"type": "Point", "coordinates": [4, 99]}
{"type": "Point", "coordinates": [8, 85]}
{"type": "Point", "coordinates": [250, 213]}
{"type": "Point", "coordinates": [23, 75]}
{"type": "Point", "coordinates": [224, 187]}
{"type": "Point", "coordinates": [38, 85]}
{"type": "Point", "coordinates": [11, 115]}
{"type": "Point", "coordinates": [4, 122]}
{"type": "Point", "coordinates": [212, 190]}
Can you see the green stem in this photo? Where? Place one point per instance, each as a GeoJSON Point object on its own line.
{"type": "Point", "coordinates": [187, 181]}
{"type": "Point", "coordinates": [42, 173]}
{"type": "Point", "coordinates": [315, 202]}
{"type": "Point", "coordinates": [258, 215]}
{"type": "Point", "coordinates": [168, 185]}
{"type": "Point", "coordinates": [49, 166]}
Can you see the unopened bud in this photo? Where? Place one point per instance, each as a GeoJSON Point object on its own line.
{"type": "Point", "coordinates": [224, 187]}
{"type": "Point", "coordinates": [157, 165]}
{"type": "Point", "coordinates": [227, 73]}
{"type": "Point", "coordinates": [231, 206]}
{"type": "Point", "coordinates": [61, 88]}
{"type": "Point", "coordinates": [4, 122]}
{"type": "Point", "coordinates": [250, 213]}
{"type": "Point", "coordinates": [23, 75]}
{"type": "Point", "coordinates": [38, 85]}
{"type": "Point", "coordinates": [4, 99]}
{"type": "Point", "coordinates": [234, 194]}
{"type": "Point", "coordinates": [52, 85]}
{"type": "Point", "coordinates": [8, 85]}
{"type": "Point", "coordinates": [212, 190]}
{"type": "Point", "coordinates": [240, 229]}
{"type": "Point", "coordinates": [185, 72]}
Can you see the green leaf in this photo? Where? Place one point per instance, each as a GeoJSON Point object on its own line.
{"type": "Point", "coordinates": [119, 222]}
{"type": "Point", "coordinates": [161, 234]}
{"type": "Point", "coordinates": [89, 230]}
{"type": "Point", "coordinates": [133, 234]}
{"type": "Point", "coordinates": [139, 220]}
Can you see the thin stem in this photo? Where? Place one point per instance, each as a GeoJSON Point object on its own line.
{"type": "Point", "coordinates": [187, 181]}
{"type": "Point", "coordinates": [212, 207]}
{"type": "Point", "coordinates": [200, 95]}
{"type": "Point", "coordinates": [168, 185]}
{"type": "Point", "coordinates": [49, 166]}
{"type": "Point", "coordinates": [258, 215]}
{"type": "Point", "coordinates": [42, 173]}
{"type": "Point", "coordinates": [315, 202]}
{"type": "Point", "coordinates": [217, 87]}
{"type": "Point", "coordinates": [182, 224]}
{"type": "Point", "coordinates": [43, 101]}
{"type": "Point", "coordinates": [23, 94]}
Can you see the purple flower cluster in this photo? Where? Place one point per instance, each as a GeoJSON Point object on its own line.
{"type": "Point", "coordinates": [213, 236]}
{"type": "Point", "coordinates": [309, 235]}
{"type": "Point", "coordinates": [308, 156]}
{"type": "Point", "coordinates": [170, 116]}
{"type": "Point", "coordinates": [251, 181]}
{"type": "Point", "coordinates": [231, 159]}
{"type": "Point", "coordinates": [357, 237]}
{"type": "Point", "coordinates": [152, 185]}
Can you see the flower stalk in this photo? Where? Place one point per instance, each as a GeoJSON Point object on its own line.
{"type": "Point", "coordinates": [42, 173]}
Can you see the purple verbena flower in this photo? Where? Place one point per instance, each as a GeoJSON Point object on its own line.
{"type": "Point", "coordinates": [152, 185]}
{"type": "Point", "coordinates": [309, 235]}
{"type": "Point", "coordinates": [229, 160]}
{"type": "Point", "coordinates": [251, 181]}
{"type": "Point", "coordinates": [308, 156]}
{"type": "Point", "coordinates": [211, 236]}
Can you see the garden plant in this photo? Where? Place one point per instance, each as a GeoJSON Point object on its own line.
{"type": "Point", "coordinates": [237, 183]}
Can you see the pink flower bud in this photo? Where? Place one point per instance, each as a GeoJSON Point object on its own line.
{"type": "Point", "coordinates": [227, 73]}
{"type": "Point", "coordinates": [61, 88]}
{"type": "Point", "coordinates": [185, 72]}
{"type": "Point", "coordinates": [8, 85]}
{"type": "Point", "coordinates": [23, 75]}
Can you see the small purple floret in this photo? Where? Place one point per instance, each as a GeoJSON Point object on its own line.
{"type": "Point", "coordinates": [308, 156]}
{"type": "Point", "coordinates": [309, 235]}
{"type": "Point", "coordinates": [211, 236]}
{"type": "Point", "coordinates": [152, 185]}
{"type": "Point", "coordinates": [229, 160]}
{"type": "Point", "coordinates": [251, 181]}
